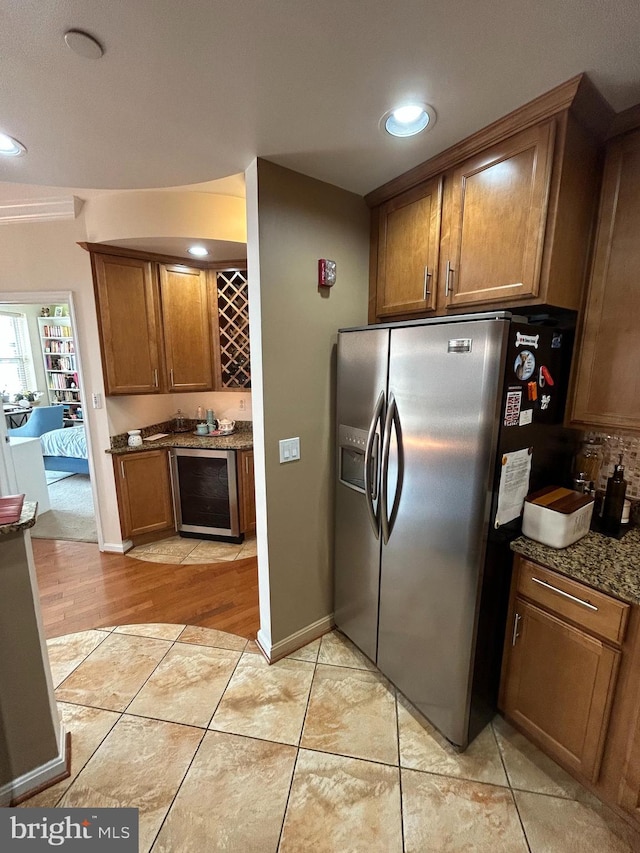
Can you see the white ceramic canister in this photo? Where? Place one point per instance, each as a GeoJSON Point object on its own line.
{"type": "Point", "coordinates": [135, 438]}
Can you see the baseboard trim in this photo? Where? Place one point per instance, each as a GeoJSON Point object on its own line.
{"type": "Point", "coordinates": [296, 641]}
{"type": "Point", "coordinates": [117, 547]}
{"type": "Point", "coordinates": [42, 777]}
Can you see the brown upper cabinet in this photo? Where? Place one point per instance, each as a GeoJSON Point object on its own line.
{"type": "Point", "coordinates": [159, 324]}
{"type": "Point", "coordinates": [498, 208]}
{"type": "Point", "coordinates": [607, 377]}
{"type": "Point", "coordinates": [186, 323]}
{"type": "Point", "coordinates": [408, 250]}
{"type": "Point", "coordinates": [129, 324]}
{"type": "Point", "coordinates": [502, 219]}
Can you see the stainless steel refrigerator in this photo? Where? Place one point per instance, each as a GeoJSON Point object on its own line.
{"type": "Point", "coordinates": [427, 412]}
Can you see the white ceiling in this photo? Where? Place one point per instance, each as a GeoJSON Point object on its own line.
{"type": "Point", "coordinates": [192, 91]}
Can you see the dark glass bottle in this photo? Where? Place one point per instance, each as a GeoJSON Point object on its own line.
{"type": "Point", "coordinates": [614, 501]}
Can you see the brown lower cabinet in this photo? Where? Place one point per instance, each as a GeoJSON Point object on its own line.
{"type": "Point", "coordinates": [144, 492]}
{"type": "Point", "coordinates": [143, 487]}
{"type": "Point", "coordinates": [560, 686]}
{"type": "Point", "coordinates": [246, 491]}
{"type": "Point", "coordinates": [571, 680]}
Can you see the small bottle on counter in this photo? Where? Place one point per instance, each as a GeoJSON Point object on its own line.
{"type": "Point", "coordinates": [614, 501]}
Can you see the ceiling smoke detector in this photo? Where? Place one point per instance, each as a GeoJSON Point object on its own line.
{"type": "Point", "coordinates": [408, 120]}
{"type": "Point", "coordinates": [83, 44]}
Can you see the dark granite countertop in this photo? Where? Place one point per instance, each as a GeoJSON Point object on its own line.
{"type": "Point", "coordinates": [27, 519]}
{"type": "Point", "coordinates": [609, 565]}
{"type": "Point", "coordinates": [241, 439]}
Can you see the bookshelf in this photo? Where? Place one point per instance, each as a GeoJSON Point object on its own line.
{"type": "Point", "coordinates": [59, 356]}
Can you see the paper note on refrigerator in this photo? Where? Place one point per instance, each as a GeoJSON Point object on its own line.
{"type": "Point", "coordinates": [514, 485]}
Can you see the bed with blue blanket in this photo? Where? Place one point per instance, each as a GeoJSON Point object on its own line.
{"type": "Point", "coordinates": [65, 450]}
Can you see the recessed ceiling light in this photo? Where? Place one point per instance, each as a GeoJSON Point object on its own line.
{"type": "Point", "coordinates": [408, 120]}
{"type": "Point", "coordinates": [198, 251]}
{"type": "Point", "coordinates": [10, 147]}
{"type": "Point", "coordinates": [83, 44]}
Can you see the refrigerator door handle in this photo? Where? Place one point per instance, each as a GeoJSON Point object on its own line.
{"type": "Point", "coordinates": [371, 466]}
{"type": "Point", "coordinates": [374, 468]}
{"type": "Point", "coordinates": [387, 518]}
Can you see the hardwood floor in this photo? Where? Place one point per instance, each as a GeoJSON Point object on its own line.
{"type": "Point", "coordinates": [81, 588]}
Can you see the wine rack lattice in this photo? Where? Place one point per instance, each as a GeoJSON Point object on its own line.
{"type": "Point", "coordinates": [233, 319]}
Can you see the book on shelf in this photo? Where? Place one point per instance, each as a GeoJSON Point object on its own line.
{"type": "Point", "coordinates": [57, 332]}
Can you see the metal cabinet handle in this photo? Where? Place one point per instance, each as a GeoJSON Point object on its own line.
{"type": "Point", "coordinates": [586, 604]}
{"type": "Point", "coordinates": [155, 376]}
{"type": "Point", "coordinates": [448, 287]}
{"type": "Point", "coordinates": [426, 292]}
{"type": "Point", "coordinates": [171, 375]}
{"type": "Point", "coordinates": [124, 476]}
{"type": "Point", "coordinates": [516, 632]}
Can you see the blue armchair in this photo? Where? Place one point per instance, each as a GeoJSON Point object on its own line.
{"type": "Point", "coordinates": [42, 419]}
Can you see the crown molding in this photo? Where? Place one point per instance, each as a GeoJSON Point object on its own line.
{"type": "Point", "coordinates": [41, 209]}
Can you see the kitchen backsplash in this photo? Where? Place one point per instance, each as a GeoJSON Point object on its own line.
{"type": "Point", "coordinates": [135, 411]}
{"type": "Point", "coordinates": [612, 447]}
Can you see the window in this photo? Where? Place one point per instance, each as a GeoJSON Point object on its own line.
{"type": "Point", "coordinates": [16, 366]}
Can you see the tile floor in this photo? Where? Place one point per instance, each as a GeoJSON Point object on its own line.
{"type": "Point", "coordinates": [177, 550]}
{"type": "Point", "coordinates": [220, 751]}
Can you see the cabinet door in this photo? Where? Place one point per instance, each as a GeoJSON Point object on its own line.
{"type": "Point", "coordinates": [144, 492]}
{"type": "Point", "coordinates": [559, 687]}
{"type": "Point", "coordinates": [608, 380]}
{"type": "Point", "coordinates": [629, 792]}
{"type": "Point", "coordinates": [497, 220]}
{"type": "Point", "coordinates": [128, 321]}
{"type": "Point", "coordinates": [187, 328]}
{"type": "Point", "coordinates": [408, 251]}
{"type": "Point", "coordinates": [246, 485]}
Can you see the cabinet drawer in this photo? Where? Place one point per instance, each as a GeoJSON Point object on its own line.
{"type": "Point", "coordinates": [592, 610]}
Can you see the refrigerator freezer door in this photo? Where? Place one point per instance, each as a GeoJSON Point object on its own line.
{"type": "Point", "coordinates": [362, 378]}
{"type": "Point", "coordinates": [446, 383]}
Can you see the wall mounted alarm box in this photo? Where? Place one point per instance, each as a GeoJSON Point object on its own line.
{"type": "Point", "coordinates": [326, 273]}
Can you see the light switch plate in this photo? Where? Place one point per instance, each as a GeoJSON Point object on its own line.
{"type": "Point", "coordinates": [289, 449]}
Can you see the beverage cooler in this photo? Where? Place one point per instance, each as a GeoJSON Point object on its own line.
{"type": "Point", "coordinates": [205, 493]}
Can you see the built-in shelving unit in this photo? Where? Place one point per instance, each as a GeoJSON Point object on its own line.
{"type": "Point", "coordinates": [59, 356]}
